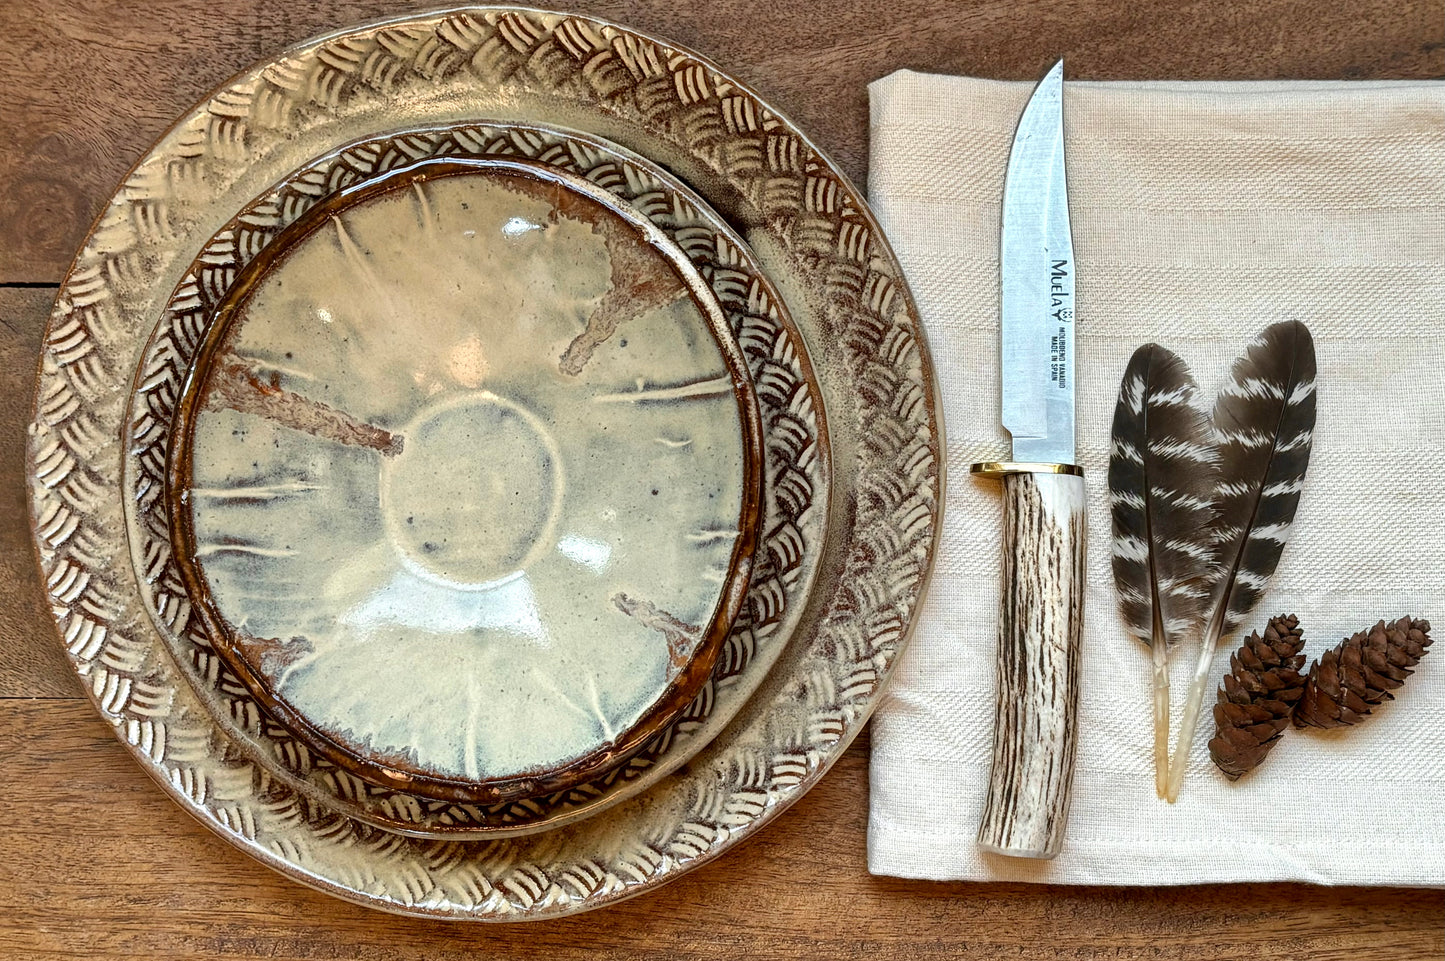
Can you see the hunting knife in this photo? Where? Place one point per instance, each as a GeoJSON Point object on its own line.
{"type": "Point", "coordinates": [1041, 609]}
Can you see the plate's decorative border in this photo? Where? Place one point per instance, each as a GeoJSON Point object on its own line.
{"type": "Point", "coordinates": [799, 214]}
{"type": "Point", "coordinates": [795, 486]}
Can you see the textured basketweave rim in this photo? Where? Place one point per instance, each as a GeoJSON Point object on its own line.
{"type": "Point", "coordinates": [796, 461]}
{"type": "Point", "coordinates": [811, 232]}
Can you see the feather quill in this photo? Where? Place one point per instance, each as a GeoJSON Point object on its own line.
{"type": "Point", "coordinates": [1264, 421]}
{"type": "Point", "coordinates": [1163, 471]}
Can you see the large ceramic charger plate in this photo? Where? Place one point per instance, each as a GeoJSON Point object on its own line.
{"type": "Point", "coordinates": [809, 230]}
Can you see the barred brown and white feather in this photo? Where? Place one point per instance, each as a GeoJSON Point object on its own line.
{"type": "Point", "coordinates": [1163, 469]}
{"type": "Point", "coordinates": [1264, 422]}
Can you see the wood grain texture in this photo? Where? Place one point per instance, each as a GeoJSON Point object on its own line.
{"type": "Point", "coordinates": [32, 663]}
{"type": "Point", "coordinates": [87, 87]}
{"type": "Point", "coordinates": [93, 848]}
{"type": "Point", "coordinates": [83, 824]}
{"type": "Point", "coordinates": [1036, 688]}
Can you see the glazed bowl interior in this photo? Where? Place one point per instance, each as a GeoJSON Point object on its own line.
{"type": "Point", "coordinates": [465, 480]}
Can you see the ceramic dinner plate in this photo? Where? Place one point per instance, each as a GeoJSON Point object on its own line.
{"type": "Point", "coordinates": [817, 323]}
{"type": "Point", "coordinates": [795, 459]}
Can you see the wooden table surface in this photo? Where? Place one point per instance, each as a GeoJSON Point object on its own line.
{"type": "Point", "coordinates": [97, 862]}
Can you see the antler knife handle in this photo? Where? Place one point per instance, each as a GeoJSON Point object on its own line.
{"type": "Point", "coordinates": [1041, 619]}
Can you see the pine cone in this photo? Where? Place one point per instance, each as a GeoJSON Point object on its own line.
{"type": "Point", "coordinates": [1361, 672]}
{"type": "Point", "coordinates": [1258, 695]}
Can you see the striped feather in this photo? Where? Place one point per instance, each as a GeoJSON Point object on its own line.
{"type": "Point", "coordinates": [1163, 469]}
{"type": "Point", "coordinates": [1264, 421]}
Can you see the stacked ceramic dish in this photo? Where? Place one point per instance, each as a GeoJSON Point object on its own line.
{"type": "Point", "coordinates": [516, 411]}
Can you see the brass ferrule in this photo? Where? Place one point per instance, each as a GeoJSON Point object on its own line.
{"type": "Point", "coordinates": [1002, 468]}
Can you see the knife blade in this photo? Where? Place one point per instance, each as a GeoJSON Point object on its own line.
{"type": "Point", "coordinates": [1041, 608]}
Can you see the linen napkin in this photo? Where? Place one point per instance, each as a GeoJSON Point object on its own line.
{"type": "Point", "coordinates": [1202, 213]}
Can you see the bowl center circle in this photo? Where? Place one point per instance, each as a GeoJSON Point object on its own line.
{"type": "Point", "coordinates": [475, 493]}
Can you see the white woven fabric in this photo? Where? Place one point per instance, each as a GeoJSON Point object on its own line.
{"type": "Point", "coordinates": [1201, 214]}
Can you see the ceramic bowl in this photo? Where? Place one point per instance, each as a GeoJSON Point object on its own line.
{"type": "Point", "coordinates": [464, 482]}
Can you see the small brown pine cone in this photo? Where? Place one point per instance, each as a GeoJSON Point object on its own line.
{"type": "Point", "coordinates": [1258, 696]}
{"type": "Point", "coordinates": [1346, 682]}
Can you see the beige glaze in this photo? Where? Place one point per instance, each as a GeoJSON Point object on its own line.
{"type": "Point", "coordinates": [459, 505]}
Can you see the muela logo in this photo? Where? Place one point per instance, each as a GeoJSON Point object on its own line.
{"type": "Point", "coordinates": [1063, 312]}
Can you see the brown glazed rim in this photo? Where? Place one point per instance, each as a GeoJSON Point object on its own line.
{"type": "Point", "coordinates": [396, 773]}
